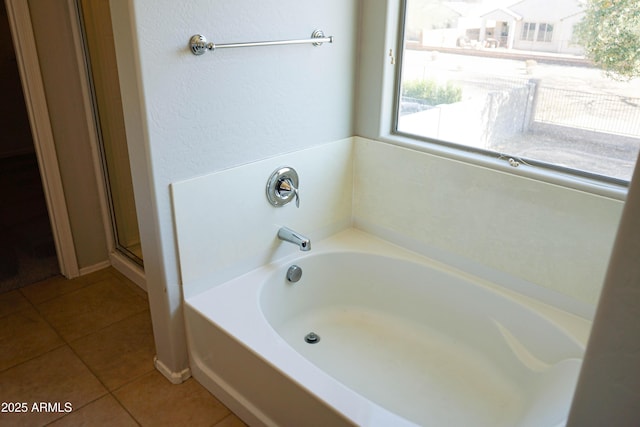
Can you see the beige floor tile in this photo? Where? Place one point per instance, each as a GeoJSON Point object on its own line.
{"type": "Point", "coordinates": [12, 301]}
{"type": "Point", "coordinates": [137, 289]}
{"type": "Point", "coordinates": [59, 285]}
{"type": "Point", "coordinates": [154, 401]}
{"type": "Point", "coordinates": [56, 377]}
{"type": "Point", "coordinates": [105, 318]}
{"type": "Point", "coordinates": [97, 276]}
{"type": "Point", "coordinates": [231, 421]}
{"type": "Point", "coordinates": [91, 308]}
{"type": "Point", "coordinates": [51, 288]}
{"type": "Point", "coordinates": [120, 352]}
{"type": "Point", "coordinates": [23, 336]}
{"type": "Point", "coordinates": [104, 412]}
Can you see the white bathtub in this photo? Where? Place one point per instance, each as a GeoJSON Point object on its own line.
{"type": "Point", "coordinates": [403, 341]}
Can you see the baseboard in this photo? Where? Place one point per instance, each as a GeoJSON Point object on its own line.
{"type": "Point", "coordinates": [132, 271]}
{"type": "Point", "coordinates": [93, 268]}
{"type": "Point", "coordinates": [173, 377]}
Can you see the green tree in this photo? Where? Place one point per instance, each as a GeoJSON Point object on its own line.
{"type": "Point", "coordinates": [610, 34]}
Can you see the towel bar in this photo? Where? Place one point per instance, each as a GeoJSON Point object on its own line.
{"type": "Point", "coordinates": [199, 45]}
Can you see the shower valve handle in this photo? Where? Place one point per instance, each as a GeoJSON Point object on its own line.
{"type": "Point", "coordinates": [286, 187]}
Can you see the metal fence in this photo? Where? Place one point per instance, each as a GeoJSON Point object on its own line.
{"type": "Point", "coordinates": [605, 113]}
{"type": "Point", "coordinates": [592, 111]}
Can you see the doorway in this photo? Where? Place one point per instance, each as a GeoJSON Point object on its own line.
{"type": "Point", "coordinates": [27, 248]}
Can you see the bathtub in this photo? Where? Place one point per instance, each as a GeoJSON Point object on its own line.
{"type": "Point", "coordinates": [375, 335]}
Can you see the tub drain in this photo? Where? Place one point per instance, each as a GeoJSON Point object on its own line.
{"type": "Point", "coordinates": [312, 338]}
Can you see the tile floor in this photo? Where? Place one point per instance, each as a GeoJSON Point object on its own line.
{"type": "Point", "coordinates": [86, 345]}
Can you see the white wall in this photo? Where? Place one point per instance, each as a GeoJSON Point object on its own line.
{"type": "Point", "coordinates": [188, 115]}
{"type": "Point", "coordinates": [608, 389]}
{"type": "Point", "coordinates": [562, 14]}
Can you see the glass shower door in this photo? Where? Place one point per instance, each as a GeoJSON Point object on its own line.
{"type": "Point", "coordinates": [100, 50]}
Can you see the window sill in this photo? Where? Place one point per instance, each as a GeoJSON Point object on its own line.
{"type": "Point", "coordinates": [586, 184]}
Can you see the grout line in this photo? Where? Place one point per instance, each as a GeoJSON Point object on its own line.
{"type": "Point", "coordinates": [76, 409]}
{"type": "Point", "coordinates": [103, 327]}
{"type": "Point", "coordinates": [63, 344]}
{"type": "Point", "coordinates": [55, 296]}
{"type": "Point", "coordinates": [119, 283]}
{"type": "Point", "coordinates": [122, 405]}
{"type": "Point", "coordinates": [230, 415]}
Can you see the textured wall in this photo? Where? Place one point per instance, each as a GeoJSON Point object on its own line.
{"type": "Point", "coordinates": [188, 115]}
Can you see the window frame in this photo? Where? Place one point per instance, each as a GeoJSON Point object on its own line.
{"type": "Point", "coordinates": [528, 34]}
{"type": "Point", "coordinates": [547, 36]}
{"type": "Point", "coordinates": [572, 178]}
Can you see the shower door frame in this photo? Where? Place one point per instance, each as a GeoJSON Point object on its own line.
{"type": "Point", "coordinates": [101, 164]}
{"type": "Point", "coordinates": [117, 258]}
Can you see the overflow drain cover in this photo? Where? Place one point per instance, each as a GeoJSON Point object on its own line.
{"type": "Point", "coordinates": [312, 338]}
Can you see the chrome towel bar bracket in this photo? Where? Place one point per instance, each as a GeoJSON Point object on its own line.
{"type": "Point", "coordinates": [199, 45]}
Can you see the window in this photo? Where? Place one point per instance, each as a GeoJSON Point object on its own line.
{"type": "Point", "coordinates": [477, 87]}
{"type": "Point", "coordinates": [528, 30]}
{"type": "Point", "coordinates": [545, 32]}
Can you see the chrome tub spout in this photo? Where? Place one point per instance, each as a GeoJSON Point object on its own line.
{"type": "Point", "coordinates": [288, 235]}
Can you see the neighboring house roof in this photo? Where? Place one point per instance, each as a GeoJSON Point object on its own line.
{"type": "Point", "coordinates": [477, 9]}
{"type": "Point", "coordinates": [502, 14]}
{"type": "Point", "coordinates": [547, 10]}
{"type": "Point", "coordinates": [518, 10]}
{"type": "Point", "coordinates": [462, 8]}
